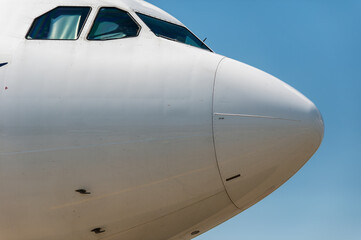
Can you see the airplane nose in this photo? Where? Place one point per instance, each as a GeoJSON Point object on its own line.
{"type": "Point", "coordinates": [264, 131]}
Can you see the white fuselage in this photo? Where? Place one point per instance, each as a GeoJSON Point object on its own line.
{"type": "Point", "coordinates": [168, 139]}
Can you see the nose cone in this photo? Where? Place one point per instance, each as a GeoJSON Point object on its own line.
{"type": "Point", "coordinates": [264, 131]}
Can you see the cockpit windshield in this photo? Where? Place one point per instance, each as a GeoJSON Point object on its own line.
{"type": "Point", "coordinates": [61, 23]}
{"type": "Point", "coordinates": [172, 31]}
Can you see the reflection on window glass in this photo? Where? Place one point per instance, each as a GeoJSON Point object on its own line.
{"type": "Point", "coordinates": [113, 23]}
{"type": "Point", "coordinates": [61, 23]}
{"type": "Point", "coordinates": [172, 31]}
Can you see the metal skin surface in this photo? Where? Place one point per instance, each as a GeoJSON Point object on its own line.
{"type": "Point", "coordinates": [264, 130]}
{"type": "Point", "coordinates": [150, 128]}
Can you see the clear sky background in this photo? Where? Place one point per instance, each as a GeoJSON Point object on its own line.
{"type": "Point", "coordinates": [315, 46]}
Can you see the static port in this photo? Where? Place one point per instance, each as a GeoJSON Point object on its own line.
{"type": "Point", "coordinates": [195, 233]}
{"type": "Point", "coordinates": [98, 230]}
{"type": "Point", "coordinates": [82, 191]}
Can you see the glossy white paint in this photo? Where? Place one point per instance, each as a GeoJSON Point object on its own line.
{"type": "Point", "coordinates": [152, 128]}
{"type": "Point", "coordinates": [264, 130]}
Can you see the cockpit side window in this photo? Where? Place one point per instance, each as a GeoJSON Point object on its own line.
{"type": "Point", "coordinates": [61, 23]}
{"type": "Point", "coordinates": [172, 31]}
{"type": "Point", "coordinates": [113, 23]}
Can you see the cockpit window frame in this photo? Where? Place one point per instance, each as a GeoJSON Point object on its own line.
{"type": "Point", "coordinates": [171, 39]}
{"type": "Point", "coordinates": [115, 39]}
{"type": "Point", "coordinates": [79, 34]}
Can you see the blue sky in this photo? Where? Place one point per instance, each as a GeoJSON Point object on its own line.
{"type": "Point", "coordinates": [315, 46]}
